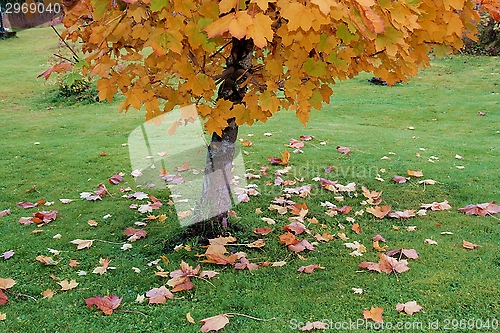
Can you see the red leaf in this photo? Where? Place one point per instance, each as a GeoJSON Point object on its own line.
{"type": "Point", "coordinates": [44, 216]}
{"type": "Point", "coordinates": [57, 68]}
{"type": "Point", "coordinates": [297, 228]}
{"type": "Point", "coordinates": [3, 298]}
{"type": "Point", "coordinates": [139, 233]}
{"type": "Point", "coordinates": [30, 204]}
{"type": "Point", "coordinates": [343, 150]}
{"type": "Point", "coordinates": [115, 179]}
{"type": "Point", "coordinates": [105, 304]}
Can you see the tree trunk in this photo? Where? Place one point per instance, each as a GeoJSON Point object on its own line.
{"type": "Point", "coordinates": [216, 199]}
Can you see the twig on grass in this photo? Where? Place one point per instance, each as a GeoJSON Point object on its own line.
{"type": "Point", "coordinates": [21, 295]}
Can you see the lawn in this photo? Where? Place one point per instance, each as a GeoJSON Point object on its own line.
{"type": "Point", "coordinates": [55, 149]}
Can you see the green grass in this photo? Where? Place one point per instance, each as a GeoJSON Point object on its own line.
{"type": "Point", "coordinates": [450, 282]}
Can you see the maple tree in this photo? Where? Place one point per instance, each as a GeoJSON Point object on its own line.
{"type": "Point", "coordinates": [242, 61]}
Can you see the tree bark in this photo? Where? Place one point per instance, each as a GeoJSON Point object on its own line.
{"type": "Point", "coordinates": [216, 199]}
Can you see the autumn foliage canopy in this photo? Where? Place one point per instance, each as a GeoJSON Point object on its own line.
{"type": "Point", "coordinates": [165, 53]}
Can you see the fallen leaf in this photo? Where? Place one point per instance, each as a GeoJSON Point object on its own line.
{"type": "Point", "coordinates": [379, 212]}
{"type": "Point", "coordinates": [297, 228]}
{"type": "Point", "coordinates": [8, 254]}
{"type": "Point", "coordinates": [375, 314]}
{"type": "Point", "coordinates": [73, 263]}
{"type": "Point", "coordinates": [409, 307]}
{"type": "Point", "coordinates": [378, 238]}
{"type": "Point", "coordinates": [46, 260]}
{"type": "Point", "coordinates": [356, 228]}
{"type": "Point", "coordinates": [65, 285]}
{"type": "Point", "coordinates": [400, 179]}
{"type": "Point", "coordinates": [416, 174]}
{"type": "Point", "coordinates": [214, 323]}
{"type": "Point", "coordinates": [430, 241]}
{"type": "Point", "coordinates": [244, 263]}
{"type": "Point", "coordinates": [189, 318]}
{"type": "Point", "coordinates": [402, 214]}
{"type": "Point", "coordinates": [103, 268]}
{"type": "Point", "coordinates": [105, 304]}
{"type": "Point", "coordinates": [484, 209]}
{"type": "Point", "coordinates": [48, 294]}
{"type": "Point", "coordinates": [301, 246]}
{"type": "Point", "coordinates": [288, 239]}
{"type": "Point", "coordinates": [386, 264]}
{"type": "Point", "coordinates": [469, 245]}
{"type": "Point", "coordinates": [437, 205]}
{"type": "Point", "coordinates": [3, 316]}
{"type": "Point", "coordinates": [343, 150]}
{"type": "Point", "coordinates": [138, 233]}
{"type": "Point", "coordinates": [5, 212]}
{"type": "Point", "coordinates": [6, 283]}
{"type": "Point", "coordinates": [159, 295]}
{"type": "Point", "coordinates": [358, 291]}
{"type": "Point", "coordinates": [309, 268]}
{"type": "Point", "coordinates": [82, 243]}
{"type": "Point", "coordinates": [262, 231]}
{"type": "Point", "coordinates": [318, 325]}
{"type": "Point", "coordinates": [408, 253]}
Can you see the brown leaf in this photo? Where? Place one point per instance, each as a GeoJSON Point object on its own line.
{"type": "Point", "coordinates": [297, 228]}
{"type": "Point", "coordinates": [288, 239]}
{"type": "Point", "coordinates": [3, 298]}
{"type": "Point", "coordinates": [481, 209]}
{"type": "Point", "coordinates": [377, 238]}
{"type": "Point", "coordinates": [183, 167]}
{"type": "Point", "coordinates": [437, 205]}
{"type": "Point", "coordinates": [309, 268]}
{"type": "Point", "coordinates": [409, 307]}
{"type": "Point", "coordinates": [301, 246]}
{"type": "Point", "coordinates": [244, 263]}
{"type": "Point", "coordinates": [65, 285]}
{"type": "Point", "coordinates": [375, 314]}
{"type": "Point", "coordinates": [408, 253]}
{"type": "Point", "coordinates": [400, 179]}
{"type": "Point", "coordinates": [189, 318]}
{"type": "Point", "coordinates": [343, 150]}
{"type": "Point", "coordinates": [159, 295]}
{"type": "Point", "coordinates": [469, 245]}
{"type": "Point", "coordinates": [402, 214]}
{"type": "Point", "coordinates": [386, 264]}
{"type": "Point", "coordinates": [325, 237]}
{"type": "Point", "coordinates": [356, 228]}
{"type": "Point", "coordinates": [46, 260]}
{"type": "Point", "coordinates": [48, 294]}
{"type": "Point", "coordinates": [257, 244]}
{"type": "Point", "coordinates": [73, 263]}
{"type": "Point", "coordinates": [138, 233]}
{"type": "Point", "coordinates": [416, 174]}
{"type": "Point", "coordinates": [318, 325]}
{"type": "Point", "coordinates": [214, 323]}
{"type": "Point", "coordinates": [262, 231]}
{"type": "Point", "coordinates": [82, 243]}
{"type": "Point", "coordinates": [105, 304]}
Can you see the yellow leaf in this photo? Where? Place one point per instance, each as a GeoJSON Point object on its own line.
{"type": "Point", "coordinates": [238, 26]}
{"type": "Point", "coordinates": [65, 285]}
{"type": "Point", "coordinates": [48, 294]}
{"type": "Point", "coordinates": [260, 30]}
{"type": "Point", "coordinates": [189, 318]}
{"type": "Point", "coordinates": [6, 283]}
{"type": "Point", "coordinates": [263, 4]}
{"type": "Point", "coordinates": [226, 5]}
{"type": "Point", "coordinates": [324, 5]}
{"type": "Point", "coordinates": [269, 102]}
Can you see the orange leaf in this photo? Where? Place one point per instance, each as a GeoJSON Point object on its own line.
{"type": "Point", "coordinates": [288, 239]}
{"type": "Point", "coordinates": [416, 174]}
{"type": "Point", "coordinates": [378, 211]}
{"type": "Point", "coordinates": [3, 298]}
{"type": "Point", "coordinates": [57, 68]}
{"type": "Point", "coordinates": [356, 228]}
{"type": "Point", "coordinates": [375, 314]}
